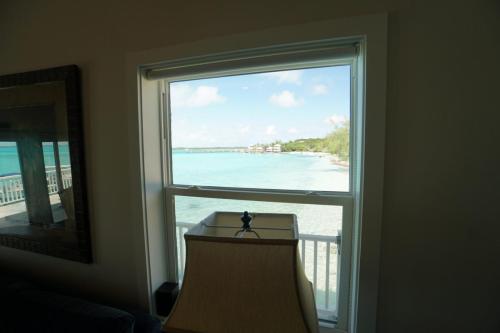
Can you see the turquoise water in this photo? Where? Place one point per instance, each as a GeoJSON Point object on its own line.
{"type": "Point", "coordinates": [267, 170]}
{"type": "Point", "coordinates": [9, 160]}
{"type": "Point", "coordinates": [254, 170]}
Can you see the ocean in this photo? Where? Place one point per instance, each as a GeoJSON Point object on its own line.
{"type": "Point", "coordinates": [9, 160]}
{"type": "Point", "coordinates": [293, 171]}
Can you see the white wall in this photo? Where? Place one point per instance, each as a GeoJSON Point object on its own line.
{"type": "Point", "coordinates": [440, 237]}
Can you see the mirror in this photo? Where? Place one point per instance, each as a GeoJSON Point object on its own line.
{"type": "Point", "coordinates": [43, 206]}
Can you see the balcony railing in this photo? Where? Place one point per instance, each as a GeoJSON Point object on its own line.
{"type": "Point", "coordinates": [12, 191]}
{"type": "Point", "coordinates": [320, 258]}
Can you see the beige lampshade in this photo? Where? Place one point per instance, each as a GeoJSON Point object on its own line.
{"type": "Point", "coordinates": [244, 283]}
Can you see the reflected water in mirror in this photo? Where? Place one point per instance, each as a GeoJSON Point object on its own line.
{"type": "Point", "coordinates": [37, 189]}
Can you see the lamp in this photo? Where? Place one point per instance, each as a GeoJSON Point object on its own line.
{"type": "Point", "coordinates": [244, 279]}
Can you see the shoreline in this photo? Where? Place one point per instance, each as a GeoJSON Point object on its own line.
{"type": "Point", "coordinates": [333, 159]}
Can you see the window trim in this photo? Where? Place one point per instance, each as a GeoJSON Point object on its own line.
{"type": "Point", "coordinates": [144, 138]}
{"type": "Point", "coordinates": [333, 198]}
{"type": "Point", "coordinates": [258, 194]}
{"type": "Point", "coordinates": [315, 53]}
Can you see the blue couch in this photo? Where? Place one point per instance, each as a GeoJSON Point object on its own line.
{"type": "Point", "coordinates": [25, 307]}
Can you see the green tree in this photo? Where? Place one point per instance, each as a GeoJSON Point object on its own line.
{"type": "Point", "coordinates": [336, 143]}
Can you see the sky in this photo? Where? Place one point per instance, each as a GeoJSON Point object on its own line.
{"type": "Point", "coordinates": [242, 110]}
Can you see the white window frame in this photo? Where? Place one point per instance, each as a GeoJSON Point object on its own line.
{"type": "Point", "coordinates": [147, 176]}
{"type": "Point", "coordinates": [331, 198]}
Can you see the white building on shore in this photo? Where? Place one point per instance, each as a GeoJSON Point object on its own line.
{"type": "Point", "coordinates": [268, 149]}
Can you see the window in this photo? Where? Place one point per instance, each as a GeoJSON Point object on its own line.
{"type": "Point", "coordinates": [13, 205]}
{"type": "Point", "coordinates": [272, 131]}
{"type": "Point", "coordinates": [12, 202]}
{"type": "Point", "coordinates": [149, 140]}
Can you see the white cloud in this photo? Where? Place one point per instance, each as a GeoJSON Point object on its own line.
{"type": "Point", "coordinates": [285, 99]}
{"type": "Point", "coordinates": [286, 76]}
{"type": "Point", "coordinates": [244, 129]}
{"type": "Point", "coordinates": [271, 130]}
{"type": "Point", "coordinates": [292, 130]}
{"type": "Point", "coordinates": [336, 120]}
{"type": "Point", "coordinates": [183, 95]}
{"type": "Point", "coordinates": [320, 89]}
{"type": "Point", "coordinates": [194, 136]}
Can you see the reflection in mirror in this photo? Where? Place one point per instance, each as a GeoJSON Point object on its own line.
{"type": "Point", "coordinates": [12, 202]}
{"type": "Point", "coordinates": [37, 199]}
{"type": "Point", "coordinates": [33, 128]}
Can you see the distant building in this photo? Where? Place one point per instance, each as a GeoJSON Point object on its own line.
{"type": "Point", "coordinates": [260, 149]}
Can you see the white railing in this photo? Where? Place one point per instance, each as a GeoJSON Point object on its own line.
{"type": "Point", "coordinates": [320, 257]}
{"type": "Point", "coordinates": [12, 191]}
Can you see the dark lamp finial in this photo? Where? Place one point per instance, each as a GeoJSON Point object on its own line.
{"type": "Point", "coordinates": [247, 220]}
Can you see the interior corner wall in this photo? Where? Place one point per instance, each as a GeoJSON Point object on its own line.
{"type": "Point", "coordinates": [440, 250]}
{"type": "Point", "coordinates": [439, 256]}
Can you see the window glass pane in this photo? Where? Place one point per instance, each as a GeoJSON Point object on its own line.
{"type": "Point", "coordinates": [318, 227]}
{"type": "Point", "coordinates": [58, 171]}
{"type": "Point", "coordinates": [12, 202]}
{"type": "Point", "coordinates": [48, 155]}
{"type": "Point", "coordinates": [276, 130]}
{"type": "Point", "coordinates": [16, 211]}
{"type": "Point", "coordinates": [50, 170]}
{"type": "Point", "coordinates": [64, 160]}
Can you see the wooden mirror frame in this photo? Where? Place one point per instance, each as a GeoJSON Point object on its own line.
{"type": "Point", "coordinates": [39, 241]}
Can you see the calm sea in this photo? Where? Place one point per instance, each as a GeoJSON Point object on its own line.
{"type": "Point", "coordinates": [9, 160]}
{"type": "Point", "coordinates": [265, 170]}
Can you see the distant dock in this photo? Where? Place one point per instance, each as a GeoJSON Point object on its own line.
{"type": "Point", "coordinates": [211, 150]}
{"type": "Point", "coordinates": [276, 148]}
